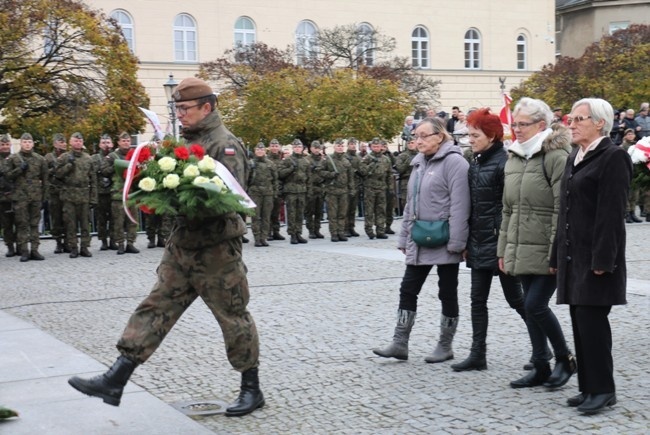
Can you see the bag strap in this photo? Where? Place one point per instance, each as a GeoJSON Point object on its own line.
{"type": "Point", "coordinates": [548, 179]}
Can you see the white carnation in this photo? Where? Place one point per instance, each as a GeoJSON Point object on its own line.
{"type": "Point", "coordinates": [167, 164]}
{"type": "Point", "coordinates": [191, 171]}
{"type": "Point", "coordinates": [171, 181]}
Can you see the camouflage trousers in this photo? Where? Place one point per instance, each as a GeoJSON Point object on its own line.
{"type": "Point", "coordinates": [295, 211]}
{"type": "Point", "coordinates": [261, 222]}
{"type": "Point", "coordinates": [158, 225]}
{"type": "Point", "coordinates": [7, 223]}
{"type": "Point", "coordinates": [76, 215]}
{"type": "Point", "coordinates": [390, 208]}
{"type": "Point", "coordinates": [351, 214]}
{"type": "Point", "coordinates": [217, 274]}
{"type": "Point", "coordinates": [27, 215]}
{"type": "Point", "coordinates": [122, 223]}
{"type": "Point", "coordinates": [374, 204]}
{"type": "Point", "coordinates": [103, 216]}
{"type": "Point", "coordinates": [314, 211]}
{"type": "Point", "coordinates": [337, 211]}
{"type": "Point", "coordinates": [275, 214]}
{"type": "Point", "coordinates": [55, 207]}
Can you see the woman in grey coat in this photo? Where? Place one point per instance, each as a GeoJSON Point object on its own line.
{"type": "Point", "coordinates": [438, 189]}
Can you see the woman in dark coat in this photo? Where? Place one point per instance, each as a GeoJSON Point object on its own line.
{"type": "Point", "coordinates": [589, 249]}
{"type": "Point", "coordinates": [486, 194]}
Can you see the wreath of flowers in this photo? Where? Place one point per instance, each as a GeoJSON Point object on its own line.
{"type": "Point", "coordinates": [640, 154]}
{"type": "Point", "coordinates": [174, 179]}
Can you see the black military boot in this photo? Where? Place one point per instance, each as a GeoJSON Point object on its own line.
{"type": "Point", "coordinates": [354, 233]}
{"type": "Point", "coordinates": [130, 249]}
{"type": "Point", "coordinates": [277, 236]}
{"type": "Point", "coordinates": [342, 238]}
{"type": "Point", "coordinates": [120, 248]}
{"type": "Point", "coordinates": [35, 255]}
{"type": "Point", "coordinates": [24, 256]}
{"type": "Point", "coordinates": [294, 239]}
{"type": "Point", "coordinates": [244, 239]}
{"type": "Point", "coordinates": [152, 243]}
{"type": "Point", "coordinates": [250, 396]}
{"type": "Point", "coordinates": [635, 218]}
{"type": "Point", "coordinates": [537, 376]}
{"type": "Point", "coordinates": [301, 239]}
{"type": "Point", "coordinates": [74, 253]}
{"type": "Point", "coordinates": [11, 252]}
{"type": "Point", "coordinates": [161, 242]}
{"type": "Point", "coordinates": [258, 243]}
{"type": "Point", "coordinates": [107, 386]}
{"type": "Point", "coordinates": [264, 243]}
{"type": "Point", "coordinates": [59, 247]}
{"type": "Point", "coordinates": [389, 231]}
{"type": "Point", "coordinates": [104, 246]}
{"type": "Point", "coordinates": [335, 238]}
{"type": "Point", "coordinates": [382, 236]}
{"type": "Point", "coordinates": [112, 246]}
{"type": "Point", "coordinates": [318, 234]}
{"type": "Point", "coordinates": [312, 235]}
{"type": "Point", "coordinates": [84, 252]}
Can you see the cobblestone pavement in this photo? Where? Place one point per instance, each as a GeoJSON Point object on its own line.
{"type": "Point", "coordinates": [320, 309]}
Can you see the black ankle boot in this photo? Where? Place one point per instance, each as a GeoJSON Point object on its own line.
{"type": "Point", "coordinates": [250, 396]}
{"type": "Point", "coordinates": [537, 376]}
{"type": "Point", "coordinates": [107, 386]}
{"type": "Point", "coordinates": [565, 367]}
{"type": "Point", "coordinates": [473, 362]}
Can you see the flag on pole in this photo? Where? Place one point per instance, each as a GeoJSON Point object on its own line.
{"type": "Point", "coordinates": [506, 118]}
{"type": "Point", "coordinates": [155, 123]}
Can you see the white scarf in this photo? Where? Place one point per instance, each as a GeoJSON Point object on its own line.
{"type": "Point", "coordinates": [532, 145]}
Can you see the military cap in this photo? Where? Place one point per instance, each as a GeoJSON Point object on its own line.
{"type": "Point", "coordinates": [77, 135]}
{"type": "Point", "coordinates": [297, 142]}
{"type": "Point", "coordinates": [629, 130]}
{"type": "Point", "coordinates": [260, 145]}
{"type": "Point", "coordinates": [192, 88]}
{"type": "Point", "coordinates": [26, 136]}
{"type": "Point", "coordinates": [338, 141]}
{"type": "Point", "coordinates": [375, 140]}
{"type": "Point", "coordinates": [5, 138]}
{"type": "Point", "coordinates": [58, 137]}
{"type": "Point", "coordinates": [274, 141]}
{"type": "Point", "coordinates": [353, 140]}
{"type": "Point", "coordinates": [105, 136]}
{"type": "Point", "coordinates": [556, 109]}
{"type": "Point", "coordinates": [316, 144]}
{"type": "Point", "coordinates": [124, 135]}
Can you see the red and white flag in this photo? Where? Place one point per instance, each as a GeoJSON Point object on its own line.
{"type": "Point", "coordinates": [506, 118]}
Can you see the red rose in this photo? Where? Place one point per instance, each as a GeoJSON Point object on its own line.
{"type": "Point", "coordinates": [181, 153]}
{"type": "Point", "coordinates": [145, 154]}
{"type": "Point", "coordinates": [197, 150]}
{"type": "Point", "coordinates": [147, 210]}
{"type": "Point", "coordinates": [129, 154]}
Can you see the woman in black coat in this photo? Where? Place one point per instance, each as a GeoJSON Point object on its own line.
{"type": "Point", "coordinates": [589, 250]}
{"type": "Point", "coordinates": [486, 191]}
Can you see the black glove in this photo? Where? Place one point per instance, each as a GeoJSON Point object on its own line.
{"type": "Point", "coordinates": [93, 205]}
{"type": "Point", "coordinates": [24, 166]}
{"type": "Point", "coordinates": [71, 158]}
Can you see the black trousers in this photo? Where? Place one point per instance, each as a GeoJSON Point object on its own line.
{"type": "Point", "coordinates": [593, 342]}
{"type": "Point", "coordinates": [414, 278]}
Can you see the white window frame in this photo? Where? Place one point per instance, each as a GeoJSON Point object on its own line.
{"type": "Point", "coordinates": [305, 41]}
{"type": "Point", "coordinates": [125, 20]}
{"type": "Point", "coordinates": [522, 52]}
{"type": "Point", "coordinates": [420, 47]}
{"type": "Point", "coordinates": [365, 46]}
{"type": "Point", "coordinates": [185, 39]}
{"type": "Point", "coordinates": [245, 32]}
{"type": "Point", "coordinates": [472, 49]}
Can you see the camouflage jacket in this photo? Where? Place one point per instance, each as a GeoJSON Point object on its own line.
{"type": "Point", "coordinates": [377, 171]}
{"type": "Point", "coordinates": [355, 161]}
{"type": "Point", "coordinates": [294, 173]}
{"type": "Point", "coordinates": [55, 184]}
{"type": "Point", "coordinates": [276, 160]}
{"type": "Point", "coordinates": [78, 177]}
{"type": "Point", "coordinates": [6, 186]}
{"type": "Point", "coordinates": [317, 175]}
{"type": "Point", "coordinates": [263, 179]}
{"type": "Point", "coordinates": [105, 170]}
{"type": "Point", "coordinates": [404, 168]}
{"type": "Point", "coordinates": [342, 181]}
{"type": "Point", "coordinates": [31, 184]}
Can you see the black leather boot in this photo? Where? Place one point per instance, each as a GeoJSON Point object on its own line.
{"type": "Point", "coordinates": [301, 239]}
{"type": "Point", "coordinates": [104, 246]}
{"type": "Point", "coordinates": [74, 252]}
{"type": "Point", "coordinates": [130, 249]}
{"type": "Point", "coordinates": [59, 247]}
{"type": "Point", "coordinates": [250, 396]}
{"type": "Point", "coordinates": [537, 376]}
{"type": "Point", "coordinates": [11, 252]}
{"type": "Point", "coordinates": [120, 248]}
{"type": "Point", "coordinates": [277, 236]}
{"type": "Point", "coordinates": [35, 255]}
{"type": "Point", "coordinates": [476, 359]}
{"type": "Point", "coordinates": [565, 367]}
{"type": "Point", "coordinates": [84, 252]}
{"type": "Point", "coordinates": [107, 386]}
{"type": "Point", "coordinates": [152, 243]}
{"type": "Point", "coordinates": [294, 239]}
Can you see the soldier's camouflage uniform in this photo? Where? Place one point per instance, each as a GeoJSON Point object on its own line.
{"type": "Point", "coordinates": [294, 173]}
{"type": "Point", "coordinates": [404, 168]}
{"type": "Point", "coordinates": [105, 171]}
{"type": "Point", "coordinates": [262, 188]}
{"type": "Point", "coordinates": [7, 216]}
{"type": "Point", "coordinates": [157, 225]}
{"type": "Point", "coordinates": [54, 203]}
{"type": "Point", "coordinates": [276, 159]}
{"type": "Point", "coordinates": [376, 169]}
{"type": "Point", "coordinates": [78, 193]}
{"type": "Point", "coordinates": [30, 190]}
{"type": "Point", "coordinates": [121, 222]}
{"type": "Point", "coordinates": [390, 192]}
{"type": "Point", "coordinates": [315, 199]}
{"type": "Point", "coordinates": [354, 195]}
{"type": "Point", "coordinates": [203, 258]}
{"type": "Point", "coordinates": [338, 192]}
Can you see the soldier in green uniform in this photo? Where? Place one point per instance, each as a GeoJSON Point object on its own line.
{"type": "Point", "coordinates": [78, 177]}
{"type": "Point", "coordinates": [275, 156]}
{"type": "Point", "coordinates": [157, 225]}
{"type": "Point", "coordinates": [262, 188]}
{"type": "Point", "coordinates": [354, 194]}
{"type": "Point", "coordinates": [105, 171]}
{"type": "Point", "coordinates": [28, 171]}
{"type": "Point", "coordinates": [403, 167]}
{"type": "Point", "coordinates": [7, 216]}
{"type": "Point", "coordinates": [121, 222]}
{"type": "Point", "coordinates": [390, 192]}
{"type": "Point", "coordinates": [339, 171]}
{"type": "Point", "coordinates": [378, 177]}
{"type": "Point", "coordinates": [54, 203]}
{"type": "Point", "coordinates": [294, 173]}
{"type": "Point", "coordinates": [202, 259]}
{"type": "Point", "coordinates": [315, 191]}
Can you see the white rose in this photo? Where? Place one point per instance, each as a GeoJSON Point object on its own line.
{"type": "Point", "coordinates": [191, 171]}
{"type": "Point", "coordinates": [218, 181]}
{"type": "Point", "coordinates": [167, 164]}
{"type": "Point", "coordinates": [171, 181]}
{"type": "Point", "coordinates": [207, 164]}
{"type": "Point", "coordinates": [147, 184]}
{"type": "Point", "coordinates": [200, 180]}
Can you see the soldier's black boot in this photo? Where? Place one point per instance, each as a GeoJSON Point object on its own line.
{"type": "Point", "coordinates": [24, 254]}
{"type": "Point", "coordinates": [335, 238]}
{"type": "Point", "coordinates": [120, 248]}
{"type": "Point", "coordinates": [84, 252]}
{"type": "Point", "coordinates": [112, 246]}
{"type": "Point", "coordinates": [635, 218]}
{"type": "Point", "coordinates": [399, 348]}
{"type": "Point", "coordinates": [342, 238]}
{"type": "Point", "coordinates": [130, 249]}
{"type": "Point", "coordinates": [104, 246]}
{"type": "Point", "coordinates": [294, 239]}
{"type": "Point", "coordinates": [161, 242]}
{"type": "Point", "coordinates": [11, 252]}
{"type": "Point", "coordinates": [277, 236]}
{"type": "Point", "coordinates": [35, 255]}
{"type": "Point", "coordinates": [59, 247]}
{"type": "Point", "coordinates": [107, 386]}
{"type": "Point", "coordinates": [318, 234]}
{"type": "Point", "coordinates": [301, 239]}
{"type": "Point", "coordinates": [250, 396]}
{"type": "Point", "coordinates": [389, 230]}
{"type": "Point", "coordinates": [152, 242]}
{"type": "Point", "coordinates": [312, 235]}
{"type": "Point", "coordinates": [354, 233]}
{"type": "Point", "coordinates": [74, 253]}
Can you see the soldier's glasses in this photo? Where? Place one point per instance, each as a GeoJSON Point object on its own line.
{"type": "Point", "coordinates": [182, 110]}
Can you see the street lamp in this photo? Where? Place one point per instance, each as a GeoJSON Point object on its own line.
{"type": "Point", "coordinates": [170, 87]}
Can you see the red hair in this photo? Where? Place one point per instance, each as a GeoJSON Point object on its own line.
{"type": "Point", "coordinates": [487, 122]}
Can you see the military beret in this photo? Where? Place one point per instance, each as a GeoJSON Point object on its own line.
{"type": "Point", "coordinates": [192, 88]}
{"type": "Point", "coordinates": [77, 135]}
{"type": "Point", "coordinates": [26, 136]}
{"type": "Point", "coordinates": [296, 142]}
{"type": "Point", "coordinates": [316, 144]}
{"type": "Point", "coordinates": [260, 145]}
{"type": "Point", "coordinates": [58, 137]}
{"type": "Point", "coordinates": [5, 138]}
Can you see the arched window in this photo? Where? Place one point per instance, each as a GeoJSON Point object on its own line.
{"type": "Point", "coordinates": [420, 48]}
{"type": "Point", "coordinates": [185, 44]}
{"type": "Point", "coordinates": [365, 44]}
{"type": "Point", "coordinates": [305, 42]}
{"type": "Point", "coordinates": [522, 53]}
{"type": "Point", "coordinates": [244, 31]}
{"type": "Point", "coordinates": [126, 26]}
{"type": "Point", "coordinates": [472, 49]}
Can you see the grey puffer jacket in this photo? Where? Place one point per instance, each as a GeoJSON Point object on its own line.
{"type": "Point", "coordinates": [443, 194]}
{"type": "Point", "coordinates": [531, 200]}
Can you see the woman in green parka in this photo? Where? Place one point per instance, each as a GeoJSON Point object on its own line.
{"type": "Point", "coordinates": [531, 200]}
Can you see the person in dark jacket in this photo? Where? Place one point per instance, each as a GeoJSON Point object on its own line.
{"type": "Point", "coordinates": [589, 249]}
{"type": "Point", "coordinates": [486, 192]}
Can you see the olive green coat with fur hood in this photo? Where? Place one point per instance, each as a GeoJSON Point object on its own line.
{"type": "Point", "coordinates": [531, 199]}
